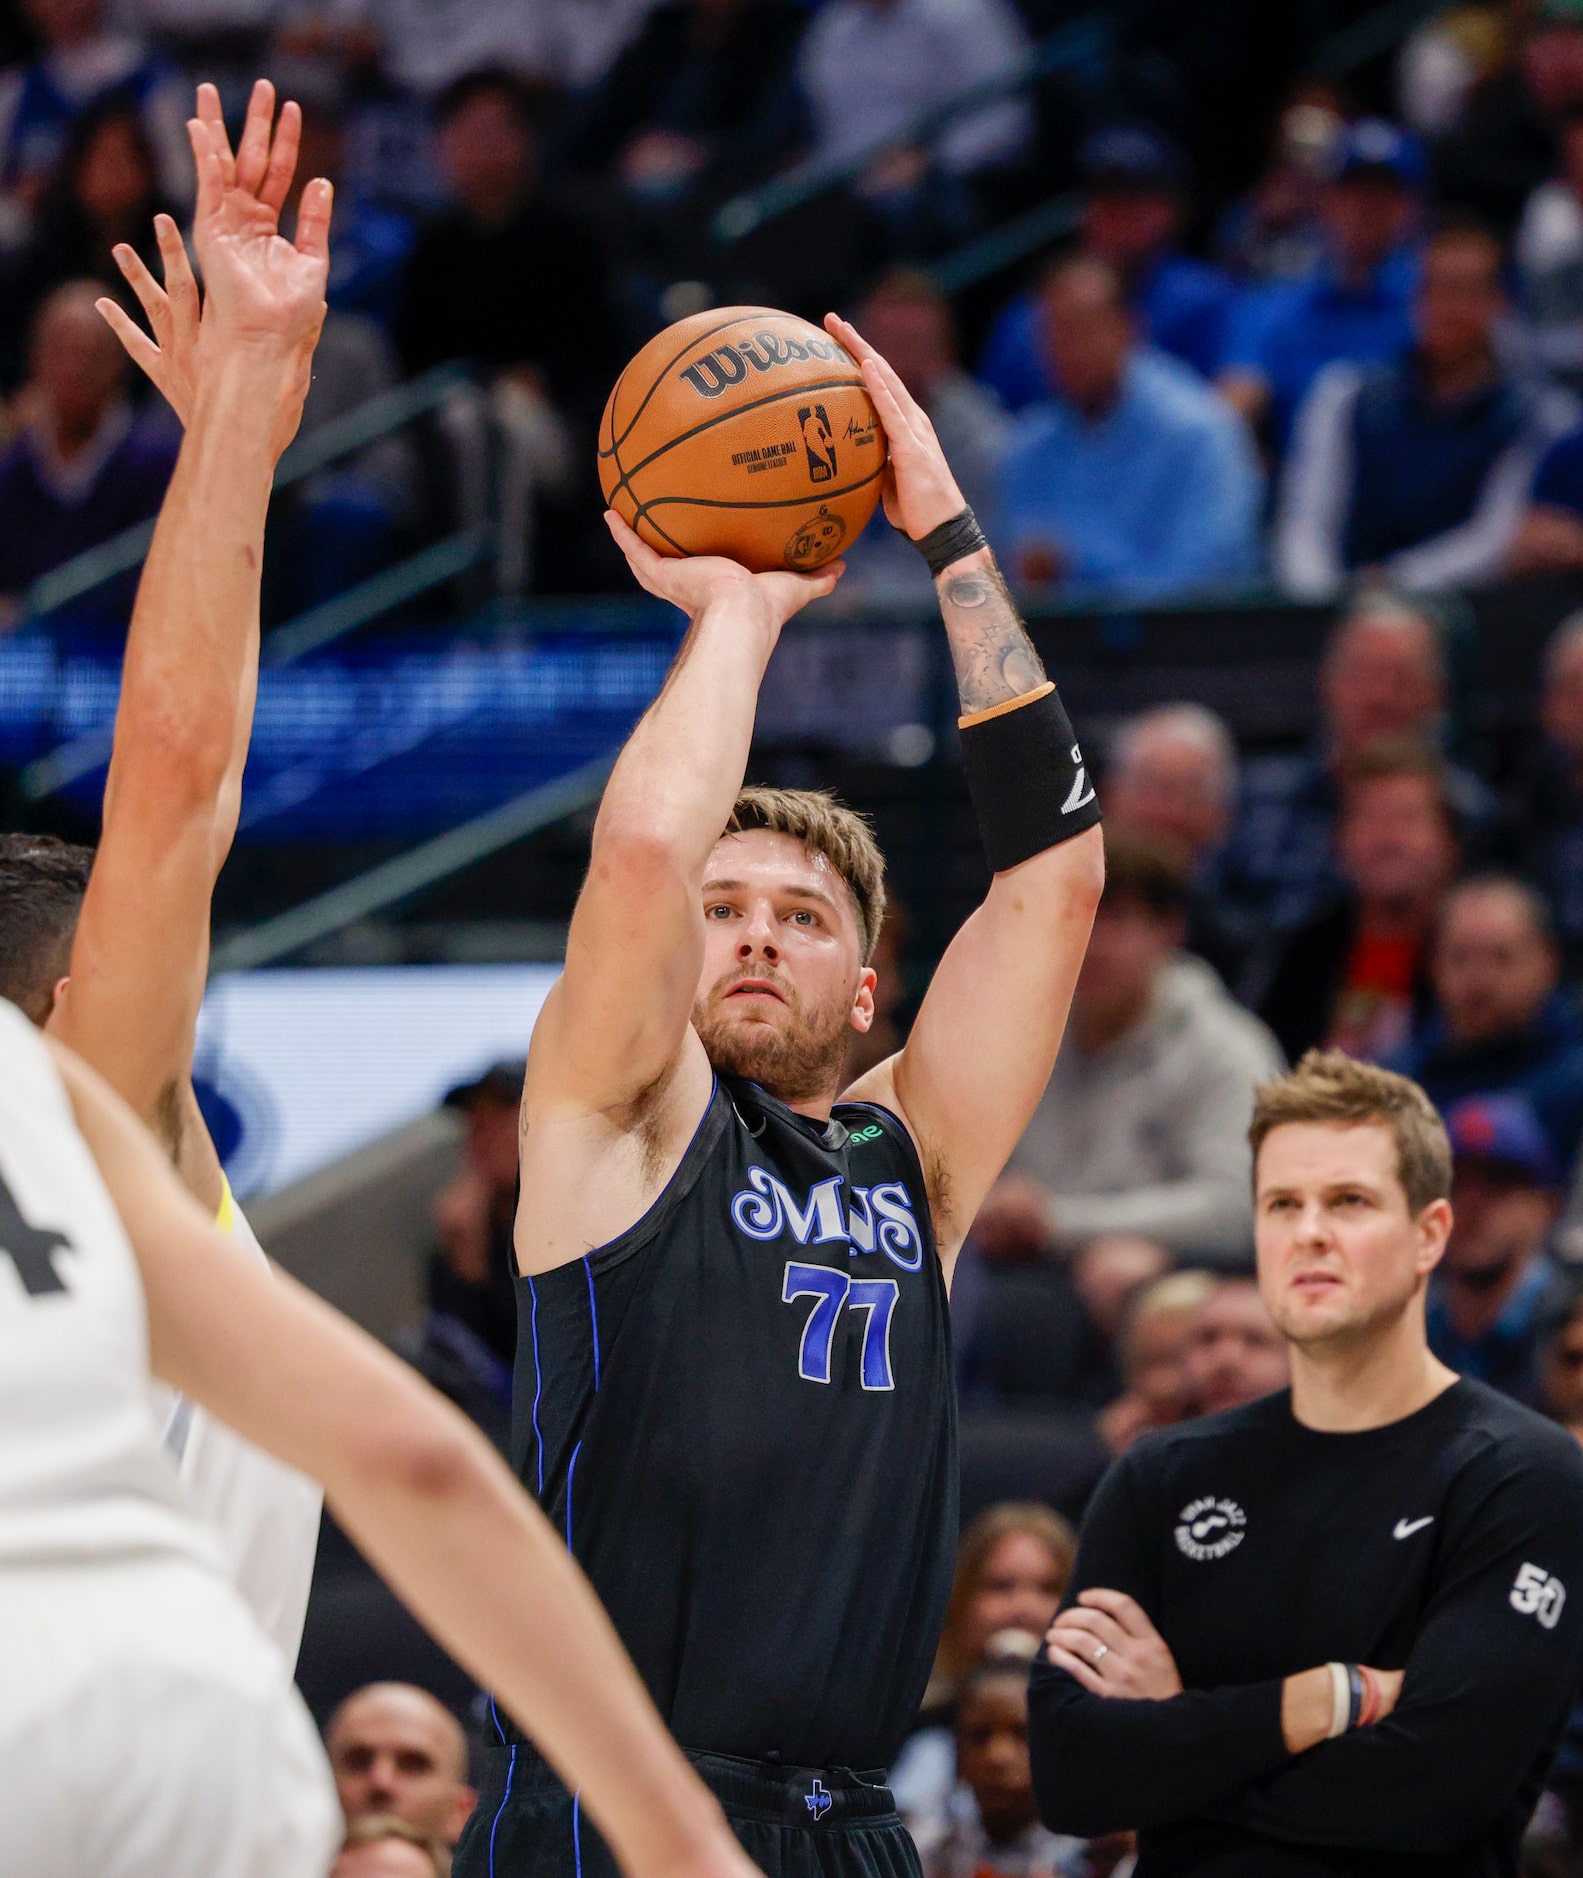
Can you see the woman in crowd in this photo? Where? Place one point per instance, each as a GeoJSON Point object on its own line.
{"type": "Point", "coordinates": [1011, 1570]}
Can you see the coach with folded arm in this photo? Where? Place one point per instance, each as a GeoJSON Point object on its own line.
{"type": "Point", "coordinates": [1336, 1631]}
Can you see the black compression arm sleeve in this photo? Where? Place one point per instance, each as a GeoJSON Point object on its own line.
{"type": "Point", "coordinates": [1104, 1764]}
{"type": "Point", "coordinates": [1487, 1686]}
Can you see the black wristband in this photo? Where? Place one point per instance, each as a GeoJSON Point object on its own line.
{"type": "Point", "coordinates": [1355, 1696]}
{"type": "Point", "coordinates": [952, 541]}
{"type": "Point", "coordinates": [1027, 778]}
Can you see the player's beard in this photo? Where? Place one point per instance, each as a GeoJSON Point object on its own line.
{"type": "Point", "coordinates": [801, 1057]}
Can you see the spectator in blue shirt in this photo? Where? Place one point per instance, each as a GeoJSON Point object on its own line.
{"type": "Point", "coordinates": [1355, 307]}
{"type": "Point", "coordinates": [1134, 479]}
{"type": "Point", "coordinates": [1137, 200]}
{"type": "Point", "coordinates": [1382, 678]}
{"type": "Point", "coordinates": [1497, 1290]}
{"type": "Point", "coordinates": [1501, 1021]}
{"type": "Point", "coordinates": [1419, 470]}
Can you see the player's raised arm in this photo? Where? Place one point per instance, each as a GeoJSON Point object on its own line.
{"type": "Point", "coordinates": [986, 1037]}
{"type": "Point", "coordinates": [237, 377]}
{"type": "Point", "coordinates": [423, 1493]}
{"type": "Point", "coordinates": [616, 1022]}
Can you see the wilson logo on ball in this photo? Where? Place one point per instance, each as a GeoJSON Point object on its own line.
{"type": "Point", "coordinates": [726, 366]}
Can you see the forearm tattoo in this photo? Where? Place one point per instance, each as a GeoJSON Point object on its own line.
{"type": "Point", "coordinates": [990, 648]}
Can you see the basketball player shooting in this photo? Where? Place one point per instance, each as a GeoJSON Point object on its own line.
{"type": "Point", "coordinates": [734, 1391]}
{"type": "Point", "coordinates": [118, 971]}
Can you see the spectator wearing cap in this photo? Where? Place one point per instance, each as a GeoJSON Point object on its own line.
{"type": "Point", "coordinates": [1171, 776]}
{"type": "Point", "coordinates": [1132, 480]}
{"type": "Point", "coordinates": [1500, 1021]}
{"type": "Point", "coordinates": [1136, 201]}
{"type": "Point", "coordinates": [1355, 306]}
{"type": "Point", "coordinates": [1352, 977]}
{"type": "Point", "coordinates": [905, 316]}
{"type": "Point", "coordinates": [1505, 144]}
{"type": "Point", "coordinates": [1142, 1127]}
{"type": "Point", "coordinates": [1418, 471]}
{"type": "Point", "coordinates": [1382, 677]}
{"type": "Point", "coordinates": [472, 1275]}
{"type": "Point", "coordinates": [1497, 1286]}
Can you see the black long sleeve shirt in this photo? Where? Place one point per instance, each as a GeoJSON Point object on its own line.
{"type": "Point", "coordinates": [1448, 1544]}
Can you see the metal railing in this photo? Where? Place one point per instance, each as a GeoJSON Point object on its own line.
{"type": "Point", "coordinates": [369, 422]}
{"type": "Point", "coordinates": [1082, 45]}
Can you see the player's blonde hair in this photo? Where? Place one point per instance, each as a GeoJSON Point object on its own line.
{"type": "Point", "coordinates": [827, 827]}
{"type": "Point", "coordinates": [1327, 1086]}
{"type": "Point", "coordinates": [371, 1828]}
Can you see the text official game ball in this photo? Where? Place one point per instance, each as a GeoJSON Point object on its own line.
{"type": "Point", "coordinates": [743, 432]}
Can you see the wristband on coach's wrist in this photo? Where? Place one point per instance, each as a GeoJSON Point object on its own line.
{"type": "Point", "coordinates": [1359, 1694]}
{"type": "Point", "coordinates": [1340, 1700]}
{"type": "Point", "coordinates": [1027, 778]}
{"type": "Point", "coordinates": [951, 542]}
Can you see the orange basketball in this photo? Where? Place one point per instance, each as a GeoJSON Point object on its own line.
{"type": "Point", "coordinates": [743, 432]}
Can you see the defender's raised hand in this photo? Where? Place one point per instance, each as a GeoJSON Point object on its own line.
{"type": "Point", "coordinates": [258, 284]}
{"type": "Point", "coordinates": [919, 490]}
{"type": "Point", "coordinates": [170, 358]}
{"type": "Point", "coordinates": [261, 291]}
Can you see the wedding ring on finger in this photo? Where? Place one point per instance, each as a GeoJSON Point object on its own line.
{"type": "Point", "coordinates": [1100, 1653]}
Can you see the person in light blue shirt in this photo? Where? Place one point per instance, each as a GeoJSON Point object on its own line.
{"type": "Point", "coordinates": [1134, 481]}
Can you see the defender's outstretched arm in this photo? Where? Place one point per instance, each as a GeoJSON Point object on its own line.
{"type": "Point", "coordinates": [614, 1026]}
{"type": "Point", "coordinates": [986, 1036]}
{"type": "Point", "coordinates": [423, 1493]}
{"type": "Point", "coordinates": [237, 378]}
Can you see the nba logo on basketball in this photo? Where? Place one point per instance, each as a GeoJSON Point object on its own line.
{"type": "Point", "coordinates": [818, 442]}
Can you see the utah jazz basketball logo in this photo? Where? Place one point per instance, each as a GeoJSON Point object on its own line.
{"type": "Point", "coordinates": [817, 442]}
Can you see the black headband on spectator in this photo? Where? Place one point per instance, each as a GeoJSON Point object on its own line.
{"type": "Point", "coordinates": [951, 542]}
{"type": "Point", "coordinates": [1026, 775]}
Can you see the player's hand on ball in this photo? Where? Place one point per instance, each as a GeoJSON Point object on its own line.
{"type": "Point", "coordinates": [692, 581]}
{"type": "Point", "coordinates": [919, 490]}
{"type": "Point", "coordinates": [1107, 1643]}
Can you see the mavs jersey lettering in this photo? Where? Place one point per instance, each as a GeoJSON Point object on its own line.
{"type": "Point", "coordinates": [741, 1415]}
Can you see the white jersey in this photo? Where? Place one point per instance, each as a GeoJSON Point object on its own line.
{"type": "Point", "coordinates": [148, 1728]}
{"type": "Point", "coordinates": [264, 1513]}
{"type": "Point", "coordinates": [82, 1477]}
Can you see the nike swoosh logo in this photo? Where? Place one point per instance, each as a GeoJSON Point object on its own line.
{"type": "Point", "coordinates": [1405, 1528]}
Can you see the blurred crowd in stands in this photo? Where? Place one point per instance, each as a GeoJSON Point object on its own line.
{"type": "Point", "coordinates": [1294, 329]}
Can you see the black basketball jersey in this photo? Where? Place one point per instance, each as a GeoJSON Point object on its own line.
{"type": "Point", "coordinates": [741, 1414]}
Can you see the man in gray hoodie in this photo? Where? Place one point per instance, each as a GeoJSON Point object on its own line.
{"type": "Point", "coordinates": [1142, 1129]}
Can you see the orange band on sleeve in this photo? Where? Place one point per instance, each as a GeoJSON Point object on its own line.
{"type": "Point", "coordinates": [1011, 704]}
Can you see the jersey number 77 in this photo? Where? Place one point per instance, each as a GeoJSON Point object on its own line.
{"type": "Point", "coordinates": [833, 1292]}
